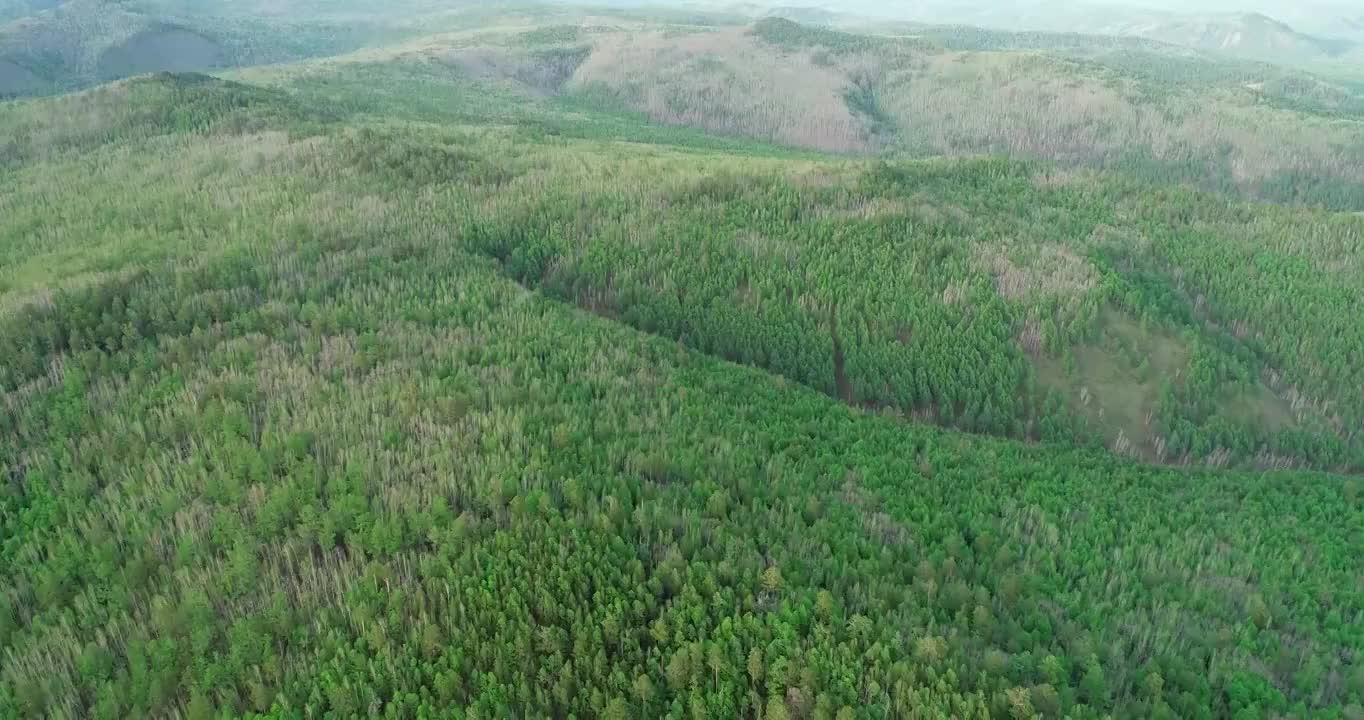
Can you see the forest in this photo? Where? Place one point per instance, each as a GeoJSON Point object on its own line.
{"type": "Point", "coordinates": [390, 387]}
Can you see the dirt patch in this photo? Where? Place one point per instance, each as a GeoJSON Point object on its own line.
{"type": "Point", "coordinates": [168, 50]}
{"type": "Point", "coordinates": [1115, 385]}
{"type": "Point", "coordinates": [866, 208]}
{"type": "Point", "coordinates": [768, 248]}
{"type": "Point", "coordinates": [1045, 270]}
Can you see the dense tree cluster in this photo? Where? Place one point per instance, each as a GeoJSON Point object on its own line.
{"type": "Point", "coordinates": [306, 418]}
{"type": "Point", "coordinates": [930, 289]}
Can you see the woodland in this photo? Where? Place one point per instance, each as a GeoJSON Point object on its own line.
{"type": "Point", "coordinates": [509, 372]}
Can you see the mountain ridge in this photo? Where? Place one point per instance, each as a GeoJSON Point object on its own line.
{"type": "Point", "coordinates": [1253, 35]}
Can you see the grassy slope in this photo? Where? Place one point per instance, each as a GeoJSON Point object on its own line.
{"type": "Point", "coordinates": [309, 448]}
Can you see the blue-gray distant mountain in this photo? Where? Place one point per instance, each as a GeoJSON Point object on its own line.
{"type": "Point", "coordinates": [1246, 34]}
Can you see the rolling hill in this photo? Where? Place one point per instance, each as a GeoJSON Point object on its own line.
{"type": "Point", "coordinates": [1242, 128]}
{"type": "Point", "coordinates": [15, 9]}
{"type": "Point", "coordinates": [78, 43]}
{"type": "Point", "coordinates": [1090, 107]}
{"type": "Point", "coordinates": [314, 406]}
{"type": "Point", "coordinates": [541, 361]}
{"type": "Point", "coordinates": [1296, 35]}
{"type": "Point", "coordinates": [1248, 35]}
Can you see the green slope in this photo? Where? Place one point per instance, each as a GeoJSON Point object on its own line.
{"type": "Point", "coordinates": [983, 295]}
{"type": "Point", "coordinates": [1064, 267]}
{"type": "Point", "coordinates": [441, 380]}
{"type": "Point", "coordinates": [287, 434]}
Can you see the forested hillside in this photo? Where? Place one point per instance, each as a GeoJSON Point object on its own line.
{"type": "Point", "coordinates": [78, 43]}
{"type": "Point", "coordinates": [440, 379]}
{"type": "Point", "coordinates": [1149, 114]}
{"type": "Point", "coordinates": [1105, 297]}
{"type": "Point", "coordinates": [1144, 109]}
{"type": "Point", "coordinates": [1298, 33]}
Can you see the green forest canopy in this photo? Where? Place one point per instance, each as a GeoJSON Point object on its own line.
{"type": "Point", "coordinates": [369, 392]}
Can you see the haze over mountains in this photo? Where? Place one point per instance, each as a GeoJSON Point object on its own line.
{"type": "Point", "coordinates": [483, 360]}
{"type": "Point", "coordinates": [1271, 31]}
{"type": "Point", "coordinates": [1327, 19]}
{"type": "Point", "coordinates": [54, 45]}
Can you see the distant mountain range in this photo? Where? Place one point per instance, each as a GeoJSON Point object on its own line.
{"type": "Point", "coordinates": [58, 46]}
{"type": "Point", "coordinates": [1248, 34]}
{"type": "Point", "coordinates": [1299, 33]}
{"type": "Point", "coordinates": [15, 9]}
